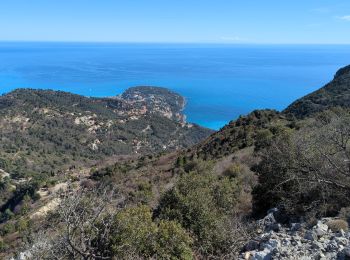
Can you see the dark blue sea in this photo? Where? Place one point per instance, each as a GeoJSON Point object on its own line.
{"type": "Point", "coordinates": [220, 82]}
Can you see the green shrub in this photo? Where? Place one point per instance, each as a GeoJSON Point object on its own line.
{"type": "Point", "coordinates": [8, 228]}
{"type": "Point", "coordinates": [3, 245]}
{"type": "Point", "coordinates": [200, 203]}
{"type": "Point", "coordinates": [172, 241]}
{"type": "Point", "coordinates": [143, 194]}
{"type": "Point", "coordinates": [233, 171]}
{"type": "Point", "coordinates": [8, 214]}
{"type": "Point", "coordinates": [263, 139]}
{"type": "Point", "coordinates": [22, 225]}
{"type": "Point", "coordinates": [135, 233]}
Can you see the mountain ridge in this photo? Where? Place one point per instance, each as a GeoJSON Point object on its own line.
{"type": "Point", "coordinates": [335, 93]}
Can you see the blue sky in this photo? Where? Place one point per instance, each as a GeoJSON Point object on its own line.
{"type": "Point", "coordinates": [204, 21]}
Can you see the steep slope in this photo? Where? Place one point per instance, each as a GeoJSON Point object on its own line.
{"type": "Point", "coordinates": [238, 134]}
{"type": "Point", "coordinates": [244, 131]}
{"type": "Point", "coordinates": [335, 93]}
{"type": "Point", "coordinates": [44, 131]}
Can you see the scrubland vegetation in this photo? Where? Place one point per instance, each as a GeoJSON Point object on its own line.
{"type": "Point", "coordinates": [200, 202]}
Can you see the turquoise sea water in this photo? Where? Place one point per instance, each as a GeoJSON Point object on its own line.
{"type": "Point", "coordinates": [220, 82]}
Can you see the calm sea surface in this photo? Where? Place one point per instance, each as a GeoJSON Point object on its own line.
{"type": "Point", "coordinates": [220, 82]}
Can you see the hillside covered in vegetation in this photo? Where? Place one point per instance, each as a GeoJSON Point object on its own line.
{"type": "Point", "coordinates": [335, 93]}
{"type": "Point", "coordinates": [204, 201]}
{"type": "Point", "coordinates": [45, 131]}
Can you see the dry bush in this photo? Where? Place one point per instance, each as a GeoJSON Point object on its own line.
{"type": "Point", "coordinates": [237, 232]}
{"type": "Point", "coordinates": [338, 224]}
{"type": "Point", "coordinates": [80, 228]}
{"type": "Point", "coordinates": [307, 171]}
{"type": "Point", "coordinates": [345, 214]}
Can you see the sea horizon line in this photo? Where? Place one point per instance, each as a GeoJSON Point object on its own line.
{"type": "Point", "coordinates": [175, 43]}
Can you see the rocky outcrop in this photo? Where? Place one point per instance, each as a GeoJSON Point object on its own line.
{"type": "Point", "coordinates": [154, 100]}
{"type": "Point", "coordinates": [297, 241]}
